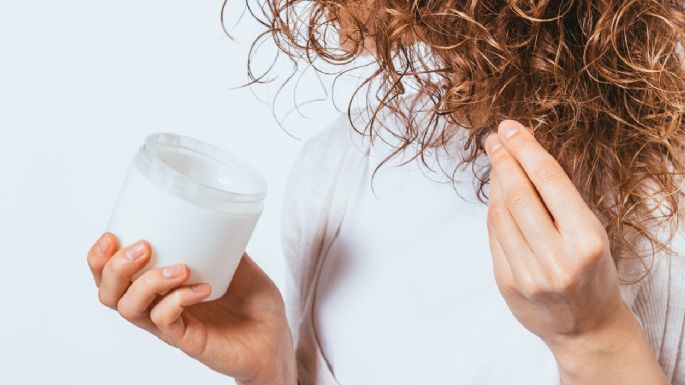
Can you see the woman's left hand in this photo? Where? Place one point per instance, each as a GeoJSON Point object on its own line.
{"type": "Point", "coordinates": [553, 265]}
{"type": "Point", "coordinates": [550, 252]}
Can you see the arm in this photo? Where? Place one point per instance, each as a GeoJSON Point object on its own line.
{"type": "Point", "coordinates": [554, 268]}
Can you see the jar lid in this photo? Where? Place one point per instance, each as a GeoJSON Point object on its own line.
{"type": "Point", "coordinates": [199, 172]}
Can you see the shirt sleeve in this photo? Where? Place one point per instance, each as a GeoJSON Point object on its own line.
{"type": "Point", "coordinates": [659, 304]}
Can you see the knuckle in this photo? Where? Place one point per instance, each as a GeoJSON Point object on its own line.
{"type": "Point", "coordinates": [565, 283]}
{"type": "Point", "coordinates": [119, 267]}
{"type": "Point", "coordinates": [177, 297]}
{"type": "Point", "coordinates": [534, 290]}
{"type": "Point", "coordinates": [91, 261]}
{"type": "Point", "coordinates": [497, 157]}
{"type": "Point", "coordinates": [591, 248]}
{"type": "Point", "coordinates": [518, 198]}
{"type": "Point", "coordinates": [149, 281]}
{"type": "Point", "coordinates": [115, 267]}
{"type": "Point", "coordinates": [492, 219]}
{"type": "Point", "coordinates": [509, 291]}
{"type": "Point", "coordinates": [158, 317]}
{"type": "Point", "coordinates": [548, 171]}
{"type": "Point", "coordinates": [106, 299]}
{"type": "Point", "coordinates": [504, 283]}
{"type": "Point", "coordinates": [500, 277]}
{"type": "Point", "coordinates": [126, 311]}
{"type": "Point", "coordinates": [506, 288]}
{"type": "Point", "coordinates": [496, 213]}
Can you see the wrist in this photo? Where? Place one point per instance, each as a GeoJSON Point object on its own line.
{"type": "Point", "coordinates": [616, 353]}
{"type": "Point", "coordinates": [287, 378]}
{"type": "Point", "coordinates": [280, 380]}
{"type": "Point", "coordinates": [284, 372]}
{"type": "Point", "coordinates": [603, 341]}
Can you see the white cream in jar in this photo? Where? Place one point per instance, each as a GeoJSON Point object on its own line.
{"type": "Point", "coordinates": [194, 203]}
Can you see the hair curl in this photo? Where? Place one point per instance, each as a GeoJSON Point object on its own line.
{"type": "Point", "coordinates": [600, 82]}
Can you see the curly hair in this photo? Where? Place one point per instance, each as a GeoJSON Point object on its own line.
{"type": "Point", "coordinates": [601, 83]}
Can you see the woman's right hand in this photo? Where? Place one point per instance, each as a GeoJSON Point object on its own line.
{"type": "Point", "coordinates": [243, 334]}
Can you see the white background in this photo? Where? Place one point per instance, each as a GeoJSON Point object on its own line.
{"type": "Point", "coordinates": [82, 83]}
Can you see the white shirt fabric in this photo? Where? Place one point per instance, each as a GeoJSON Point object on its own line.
{"type": "Point", "coordinates": [407, 293]}
{"type": "Point", "coordinates": [322, 180]}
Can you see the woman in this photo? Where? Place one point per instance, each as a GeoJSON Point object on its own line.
{"type": "Point", "coordinates": [566, 116]}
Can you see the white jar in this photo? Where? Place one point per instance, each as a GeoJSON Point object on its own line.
{"type": "Point", "coordinates": [194, 203]}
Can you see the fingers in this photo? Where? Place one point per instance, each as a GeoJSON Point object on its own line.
{"type": "Point", "coordinates": [98, 255]}
{"type": "Point", "coordinates": [524, 265]}
{"type": "Point", "coordinates": [556, 189]}
{"type": "Point", "coordinates": [117, 273]}
{"type": "Point", "coordinates": [522, 200]}
{"type": "Point", "coordinates": [134, 304]}
{"type": "Point", "coordinates": [500, 265]}
{"type": "Point", "coordinates": [506, 283]}
{"type": "Point", "coordinates": [166, 314]}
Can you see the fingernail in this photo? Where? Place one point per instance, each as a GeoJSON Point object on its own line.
{"type": "Point", "coordinates": [172, 271]}
{"type": "Point", "coordinates": [135, 251]}
{"type": "Point", "coordinates": [102, 245]}
{"type": "Point", "coordinates": [201, 288]}
{"type": "Point", "coordinates": [493, 143]}
{"type": "Point", "coordinates": [509, 129]}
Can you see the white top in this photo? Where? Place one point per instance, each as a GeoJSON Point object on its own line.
{"type": "Point", "coordinates": [398, 289]}
{"type": "Point", "coordinates": [407, 293]}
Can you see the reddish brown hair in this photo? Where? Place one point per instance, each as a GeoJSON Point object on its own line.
{"type": "Point", "coordinates": [600, 82]}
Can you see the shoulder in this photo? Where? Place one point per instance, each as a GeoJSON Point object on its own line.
{"type": "Point", "coordinates": [315, 168]}
{"type": "Point", "coordinates": [318, 163]}
{"type": "Point", "coordinates": [315, 174]}
{"type": "Point", "coordinates": [312, 205]}
{"type": "Point", "coordinates": [330, 144]}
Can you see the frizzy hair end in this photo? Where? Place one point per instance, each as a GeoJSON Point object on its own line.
{"type": "Point", "coordinates": [600, 82]}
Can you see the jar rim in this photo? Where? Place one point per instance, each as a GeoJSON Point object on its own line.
{"type": "Point", "coordinates": [187, 186]}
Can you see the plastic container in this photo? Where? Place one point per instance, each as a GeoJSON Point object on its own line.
{"type": "Point", "coordinates": [194, 203]}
